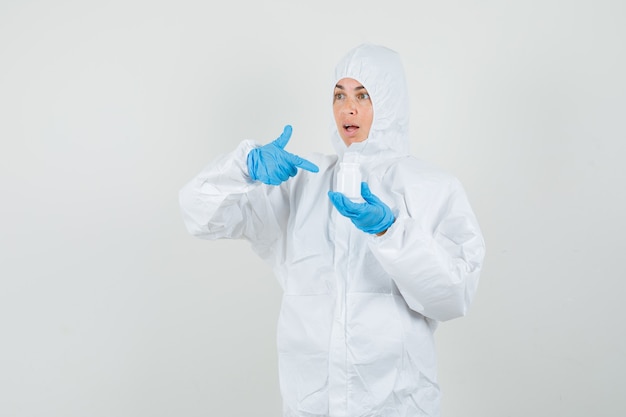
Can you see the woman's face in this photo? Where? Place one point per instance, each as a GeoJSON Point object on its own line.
{"type": "Point", "coordinates": [353, 111]}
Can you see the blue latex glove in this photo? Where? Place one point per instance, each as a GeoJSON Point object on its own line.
{"type": "Point", "coordinates": [373, 216]}
{"type": "Point", "coordinates": [272, 164]}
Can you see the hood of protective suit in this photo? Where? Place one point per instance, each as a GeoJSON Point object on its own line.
{"type": "Point", "coordinates": [380, 71]}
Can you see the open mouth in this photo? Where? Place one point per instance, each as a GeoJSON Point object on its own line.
{"type": "Point", "coordinates": [350, 128]}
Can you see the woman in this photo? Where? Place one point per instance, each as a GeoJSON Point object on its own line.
{"type": "Point", "coordinates": [365, 282]}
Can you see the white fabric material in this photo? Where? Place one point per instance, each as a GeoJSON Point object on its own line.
{"type": "Point", "coordinates": [355, 331]}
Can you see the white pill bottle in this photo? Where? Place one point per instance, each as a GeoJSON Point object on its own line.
{"type": "Point", "coordinates": [349, 177]}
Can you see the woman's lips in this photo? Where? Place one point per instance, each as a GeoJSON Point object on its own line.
{"type": "Point", "coordinates": [350, 128]}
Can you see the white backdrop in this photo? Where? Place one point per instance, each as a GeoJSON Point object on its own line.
{"type": "Point", "coordinates": [109, 308]}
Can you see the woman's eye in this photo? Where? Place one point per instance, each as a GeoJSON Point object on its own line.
{"type": "Point", "coordinates": [339, 96]}
{"type": "Point", "coordinates": [364, 96]}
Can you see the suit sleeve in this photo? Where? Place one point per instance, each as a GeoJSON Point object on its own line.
{"type": "Point", "coordinates": [434, 251]}
{"type": "Point", "coordinates": [222, 202]}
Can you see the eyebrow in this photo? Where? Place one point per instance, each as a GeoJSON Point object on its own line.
{"type": "Point", "coordinates": [341, 87]}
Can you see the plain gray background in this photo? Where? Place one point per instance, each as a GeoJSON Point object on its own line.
{"type": "Point", "coordinates": [109, 308]}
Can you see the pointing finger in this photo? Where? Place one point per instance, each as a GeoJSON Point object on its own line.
{"type": "Point", "coordinates": [299, 162]}
{"type": "Point", "coordinates": [305, 164]}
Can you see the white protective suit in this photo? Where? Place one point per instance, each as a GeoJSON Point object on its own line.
{"type": "Point", "coordinates": [355, 331]}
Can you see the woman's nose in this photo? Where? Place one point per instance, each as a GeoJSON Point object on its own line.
{"type": "Point", "coordinates": [349, 106]}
